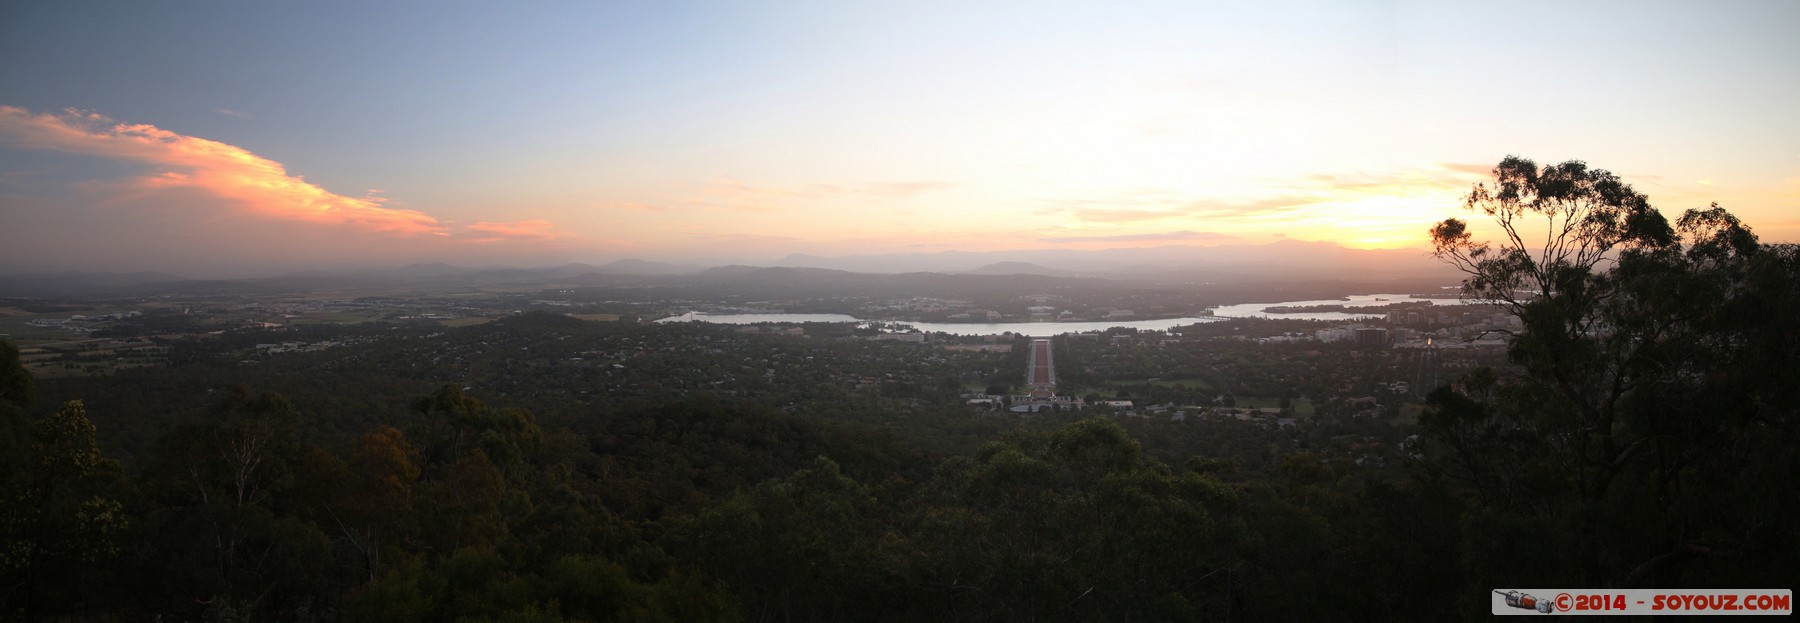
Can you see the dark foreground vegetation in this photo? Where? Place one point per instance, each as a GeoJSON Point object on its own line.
{"type": "Point", "coordinates": [1643, 434]}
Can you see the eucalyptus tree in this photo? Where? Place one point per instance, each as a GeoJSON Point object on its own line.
{"type": "Point", "coordinates": [1657, 364]}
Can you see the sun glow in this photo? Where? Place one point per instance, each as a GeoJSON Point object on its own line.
{"type": "Point", "coordinates": [613, 130]}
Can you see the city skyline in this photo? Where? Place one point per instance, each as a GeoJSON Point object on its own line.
{"type": "Point", "coordinates": [218, 138]}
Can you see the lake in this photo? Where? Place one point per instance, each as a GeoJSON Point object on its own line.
{"type": "Point", "coordinates": [1255, 310]}
{"type": "Point", "coordinates": [1034, 329]}
{"type": "Point", "coordinates": [1248, 310]}
{"type": "Point", "coordinates": [757, 318]}
{"type": "Point", "coordinates": [1047, 329]}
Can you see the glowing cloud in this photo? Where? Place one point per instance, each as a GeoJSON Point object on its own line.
{"type": "Point", "coordinates": [1276, 205]}
{"type": "Point", "coordinates": [537, 230]}
{"type": "Point", "coordinates": [1171, 236]}
{"type": "Point", "coordinates": [1469, 168]}
{"type": "Point", "coordinates": [250, 182]}
{"type": "Point", "coordinates": [1383, 208]}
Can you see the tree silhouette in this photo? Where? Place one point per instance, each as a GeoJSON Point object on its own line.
{"type": "Point", "coordinates": [1653, 359]}
{"type": "Point", "coordinates": [61, 520]}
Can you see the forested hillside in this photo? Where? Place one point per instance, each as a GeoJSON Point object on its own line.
{"type": "Point", "coordinates": [540, 468]}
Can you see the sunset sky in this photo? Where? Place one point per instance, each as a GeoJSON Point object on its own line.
{"type": "Point", "coordinates": [219, 139]}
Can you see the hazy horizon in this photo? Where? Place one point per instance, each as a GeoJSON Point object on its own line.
{"type": "Point", "coordinates": [240, 140]}
{"type": "Point", "coordinates": [1111, 261]}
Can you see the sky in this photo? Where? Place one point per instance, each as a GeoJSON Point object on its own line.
{"type": "Point", "coordinates": [229, 139]}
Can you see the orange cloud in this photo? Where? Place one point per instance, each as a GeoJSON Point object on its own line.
{"type": "Point", "coordinates": [250, 182]}
{"type": "Point", "coordinates": [1170, 209]}
{"type": "Point", "coordinates": [1169, 236]}
{"type": "Point", "coordinates": [1470, 168]}
{"type": "Point", "coordinates": [1279, 204]}
{"type": "Point", "coordinates": [536, 229]}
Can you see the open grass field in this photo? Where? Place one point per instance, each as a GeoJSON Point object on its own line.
{"type": "Point", "coordinates": [20, 333]}
{"type": "Point", "coordinates": [90, 357]}
{"type": "Point", "coordinates": [337, 317]}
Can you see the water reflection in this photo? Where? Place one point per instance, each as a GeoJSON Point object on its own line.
{"type": "Point", "coordinates": [1046, 329]}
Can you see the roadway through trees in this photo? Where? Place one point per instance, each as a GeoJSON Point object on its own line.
{"type": "Point", "coordinates": [1041, 371]}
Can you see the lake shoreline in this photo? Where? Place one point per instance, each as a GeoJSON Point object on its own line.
{"type": "Point", "coordinates": [1053, 328]}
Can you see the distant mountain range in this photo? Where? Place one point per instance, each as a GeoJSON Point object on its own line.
{"type": "Point", "coordinates": [436, 274]}
{"type": "Point", "coordinates": [1021, 268]}
{"type": "Point", "coordinates": [1283, 259]}
{"type": "Point", "coordinates": [1280, 261]}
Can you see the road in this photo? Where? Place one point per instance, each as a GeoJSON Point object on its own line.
{"type": "Point", "coordinates": [1040, 373]}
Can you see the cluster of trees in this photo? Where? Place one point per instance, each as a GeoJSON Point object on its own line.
{"type": "Point", "coordinates": [687, 512]}
{"type": "Point", "coordinates": [1197, 371]}
{"type": "Point", "coordinates": [563, 370]}
{"type": "Point", "coordinates": [1641, 437]}
{"type": "Point", "coordinates": [474, 513]}
{"type": "Point", "coordinates": [1648, 436]}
